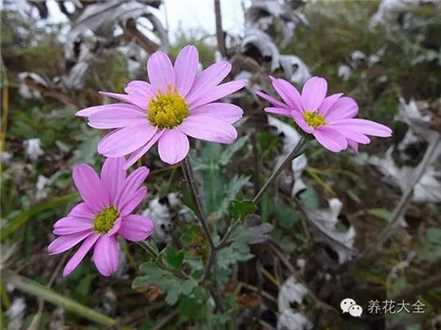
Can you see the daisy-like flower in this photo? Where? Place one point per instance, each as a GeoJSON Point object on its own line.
{"type": "Point", "coordinates": [330, 119]}
{"type": "Point", "coordinates": [104, 214]}
{"type": "Point", "coordinates": [178, 102]}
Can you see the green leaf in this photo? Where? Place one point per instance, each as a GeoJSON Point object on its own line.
{"type": "Point", "coordinates": [170, 284]}
{"type": "Point", "coordinates": [231, 149]}
{"type": "Point", "coordinates": [86, 151]}
{"type": "Point", "coordinates": [194, 306]}
{"type": "Point", "coordinates": [237, 251]}
{"type": "Point", "coordinates": [174, 257]}
{"type": "Point", "coordinates": [310, 198]}
{"type": "Point", "coordinates": [433, 235]}
{"type": "Point", "coordinates": [219, 190]}
{"type": "Point", "coordinates": [381, 213]}
{"type": "Point", "coordinates": [430, 248]}
{"type": "Point", "coordinates": [240, 209]}
{"type": "Point", "coordinates": [286, 216]}
{"type": "Point", "coordinates": [24, 216]}
{"type": "Point", "coordinates": [231, 190]}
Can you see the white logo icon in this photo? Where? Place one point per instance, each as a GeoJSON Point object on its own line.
{"type": "Point", "coordinates": [348, 305]}
{"type": "Point", "coordinates": [355, 310]}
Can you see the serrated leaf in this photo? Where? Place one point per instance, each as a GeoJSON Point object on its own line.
{"type": "Point", "coordinates": [232, 189]}
{"type": "Point", "coordinates": [218, 191]}
{"type": "Point", "coordinates": [231, 149]}
{"type": "Point", "coordinates": [240, 209]}
{"type": "Point", "coordinates": [187, 287]}
{"type": "Point", "coordinates": [259, 233]}
{"type": "Point", "coordinates": [174, 257]}
{"type": "Point", "coordinates": [239, 249]}
{"type": "Point", "coordinates": [171, 285]}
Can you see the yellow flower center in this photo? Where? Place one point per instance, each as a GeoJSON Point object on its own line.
{"type": "Point", "coordinates": [105, 219]}
{"type": "Point", "coordinates": [167, 110]}
{"type": "Point", "coordinates": [313, 119]}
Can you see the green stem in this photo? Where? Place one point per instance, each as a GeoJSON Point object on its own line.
{"type": "Point", "coordinates": [148, 248]}
{"type": "Point", "coordinates": [189, 177]}
{"type": "Point", "coordinates": [297, 151]}
{"type": "Point", "coordinates": [230, 230]}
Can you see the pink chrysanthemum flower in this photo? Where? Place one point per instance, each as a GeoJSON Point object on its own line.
{"type": "Point", "coordinates": [105, 213]}
{"type": "Point", "coordinates": [330, 119]}
{"type": "Point", "coordinates": [178, 102]}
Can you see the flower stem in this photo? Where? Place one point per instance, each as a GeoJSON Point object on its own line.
{"type": "Point", "coordinates": [189, 177]}
{"type": "Point", "coordinates": [230, 230]}
{"type": "Point", "coordinates": [149, 249]}
{"type": "Point", "coordinates": [297, 151]}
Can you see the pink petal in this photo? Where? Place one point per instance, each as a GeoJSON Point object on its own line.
{"type": "Point", "coordinates": [134, 201]}
{"type": "Point", "coordinates": [212, 130]}
{"type": "Point", "coordinates": [363, 126]}
{"type": "Point", "coordinates": [186, 68]}
{"type": "Point", "coordinates": [229, 113]}
{"type": "Point", "coordinates": [136, 86]}
{"type": "Point", "coordinates": [81, 210]}
{"type": "Point", "coordinates": [116, 118]}
{"type": "Point", "coordinates": [300, 120]}
{"type": "Point", "coordinates": [328, 102]}
{"type": "Point", "coordinates": [313, 93]}
{"type": "Point", "coordinates": [137, 154]}
{"type": "Point", "coordinates": [288, 93]}
{"type": "Point", "coordinates": [113, 175]}
{"type": "Point", "coordinates": [173, 146]}
{"type": "Point", "coordinates": [351, 134]}
{"type": "Point", "coordinates": [160, 71]}
{"type": "Point", "coordinates": [353, 145]}
{"type": "Point", "coordinates": [139, 88]}
{"type": "Point", "coordinates": [80, 254]}
{"type": "Point", "coordinates": [106, 255]}
{"type": "Point", "coordinates": [218, 92]}
{"type": "Point", "coordinates": [64, 243]}
{"type": "Point", "coordinates": [279, 111]}
{"type": "Point", "coordinates": [135, 99]}
{"type": "Point", "coordinates": [71, 225]}
{"type": "Point", "coordinates": [126, 140]}
{"type": "Point", "coordinates": [207, 79]}
{"type": "Point", "coordinates": [111, 107]}
{"type": "Point", "coordinates": [131, 185]}
{"type": "Point", "coordinates": [136, 228]}
{"type": "Point", "coordinates": [271, 100]}
{"type": "Point", "coordinates": [115, 228]}
{"type": "Point", "coordinates": [90, 187]}
{"type": "Point", "coordinates": [344, 107]}
{"type": "Point", "coordinates": [330, 138]}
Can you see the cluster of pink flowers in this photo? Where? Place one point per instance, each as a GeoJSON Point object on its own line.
{"type": "Point", "coordinates": [179, 102]}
